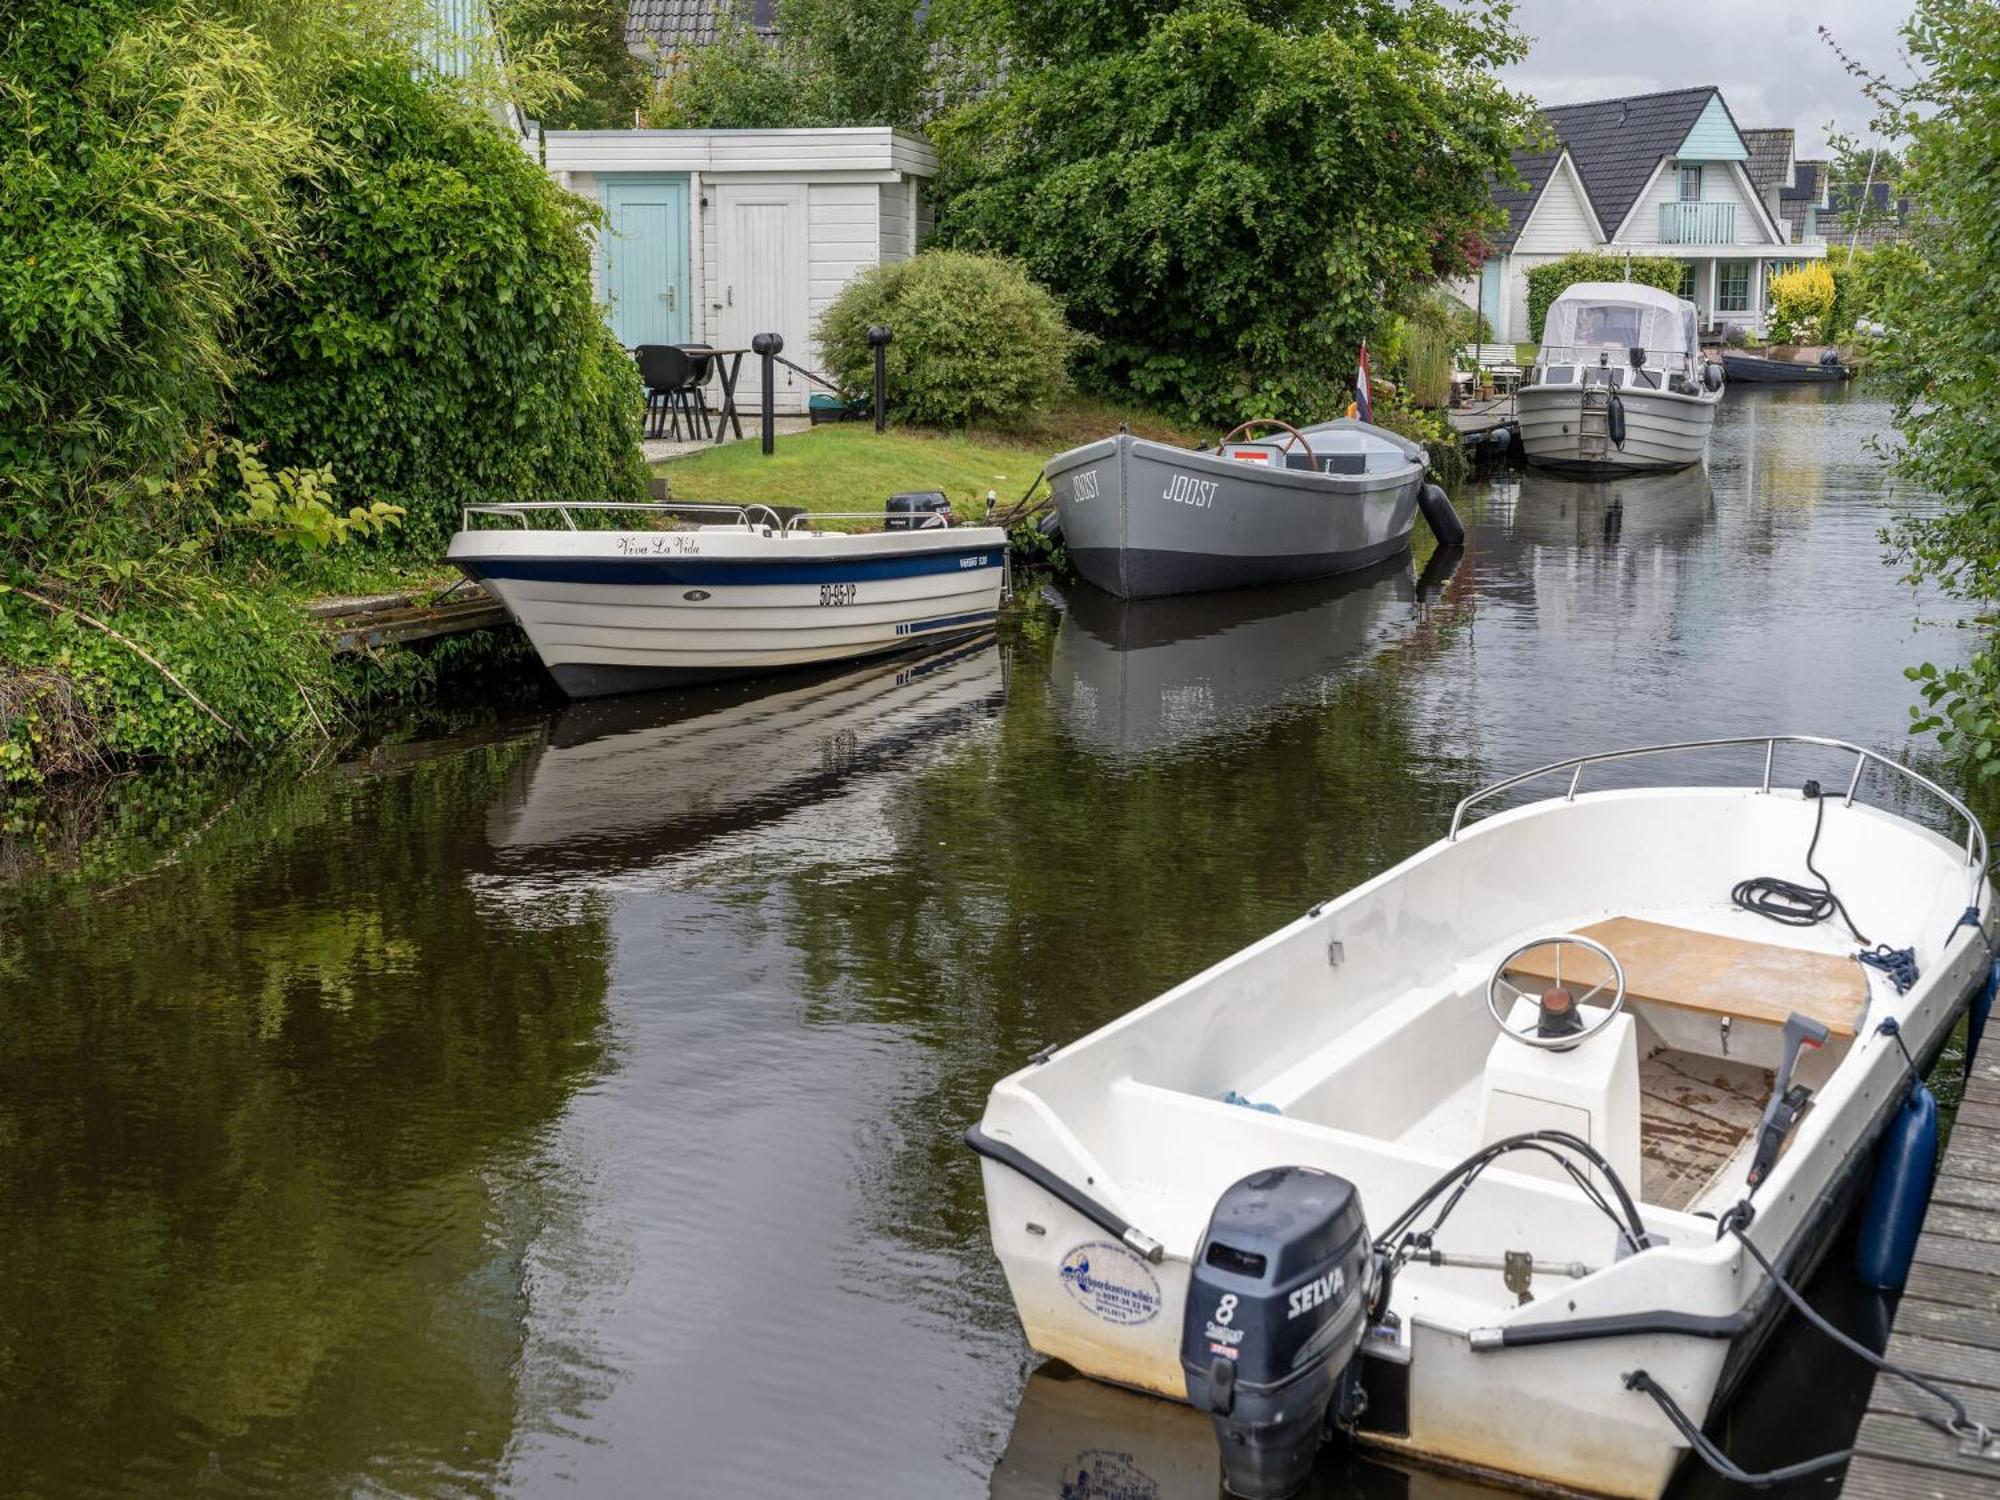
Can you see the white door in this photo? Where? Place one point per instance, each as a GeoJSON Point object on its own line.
{"type": "Point", "coordinates": [761, 281]}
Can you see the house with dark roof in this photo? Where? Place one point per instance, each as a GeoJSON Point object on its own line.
{"type": "Point", "coordinates": [656, 31]}
{"type": "Point", "coordinates": [1669, 174]}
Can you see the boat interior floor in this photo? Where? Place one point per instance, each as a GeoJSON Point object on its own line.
{"type": "Point", "coordinates": [1695, 1112]}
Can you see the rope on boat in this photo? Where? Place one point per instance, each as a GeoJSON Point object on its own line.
{"type": "Point", "coordinates": [1900, 964]}
{"type": "Point", "coordinates": [1960, 1424]}
{"type": "Point", "coordinates": [1790, 902]}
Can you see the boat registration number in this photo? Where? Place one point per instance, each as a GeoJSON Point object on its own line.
{"type": "Point", "coordinates": [837, 593]}
{"type": "Point", "coordinates": [1184, 489]}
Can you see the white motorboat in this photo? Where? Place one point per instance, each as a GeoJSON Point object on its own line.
{"type": "Point", "coordinates": [1619, 385]}
{"type": "Point", "coordinates": [701, 593]}
{"type": "Point", "coordinates": [1390, 1151]}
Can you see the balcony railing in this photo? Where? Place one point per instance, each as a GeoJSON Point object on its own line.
{"type": "Point", "coordinates": [1697, 223]}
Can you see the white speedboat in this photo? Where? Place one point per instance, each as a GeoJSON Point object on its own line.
{"type": "Point", "coordinates": [1455, 1156]}
{"type": "Point", "coordinates": [700, 593]}
{"type": "Point", "coordinates": [1619, 385]}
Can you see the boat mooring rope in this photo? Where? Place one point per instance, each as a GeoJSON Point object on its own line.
{"type": "Point", "coordinates": [1789, 901]}
{"type": "Point", "coordinates": [1959, 1424]}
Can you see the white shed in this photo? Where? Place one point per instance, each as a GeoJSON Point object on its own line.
{"type": "Point", "coordinates": [714, 236]}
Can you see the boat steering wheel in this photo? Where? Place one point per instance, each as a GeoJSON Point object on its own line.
{"type": "Point", "coordinates": [1255, 422]}
{"type": "Point", "coordinates": [1539, 1037]}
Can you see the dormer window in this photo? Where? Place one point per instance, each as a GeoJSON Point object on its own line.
{"type": "Point", "coordinates": [1690, 183]}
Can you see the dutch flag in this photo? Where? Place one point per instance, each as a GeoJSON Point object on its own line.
{"type": "Point", "coordinates": [1363, 406]}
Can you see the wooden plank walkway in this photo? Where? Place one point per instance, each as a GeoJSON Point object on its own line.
{"type": "Point", "coordinates": [1476, 418]}
{"type": "Point", "coordinates": [1948, 1324]}
{"type": "Point", "coordinates": [365, 624]}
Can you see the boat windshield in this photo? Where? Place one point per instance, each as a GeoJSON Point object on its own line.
{"type": "Point", "coordinates": [1582, 331]}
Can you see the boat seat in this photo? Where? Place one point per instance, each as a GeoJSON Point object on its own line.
{"type": "Point", "coordinates": [1683, 969]}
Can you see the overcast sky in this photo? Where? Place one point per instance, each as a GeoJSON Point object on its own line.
{"type": "Point", "coordinates": [1765, 55]}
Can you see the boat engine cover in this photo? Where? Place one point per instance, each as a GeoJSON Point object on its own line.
{"type": "Point", "coordinates": [1277, 1304]}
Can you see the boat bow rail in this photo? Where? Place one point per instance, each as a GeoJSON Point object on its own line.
{"type": "Point", "coordinates": [752, 515]}
{"type": "Point", "coordinates": [1976, 855]}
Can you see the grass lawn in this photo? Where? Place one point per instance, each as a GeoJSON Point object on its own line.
{"type": "Point", "coordinates": [848, 466]}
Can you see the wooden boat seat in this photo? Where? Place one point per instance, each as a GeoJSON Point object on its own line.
{"type": "Point", "coordinates": [1704, 971]}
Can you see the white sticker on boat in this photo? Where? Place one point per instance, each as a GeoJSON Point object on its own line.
{"type": "Point", "coordinates": [1112, 1283]}
{"type": "Point", "coordinates": [1083, 485]}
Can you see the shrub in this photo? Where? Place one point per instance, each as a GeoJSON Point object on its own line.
{"type": "Point", "coordinates": [1802, 304]}
{"type": "Point", "coordinates": [143, 172]}
{"type": "Point", "coordinates": [1546, 283]}
{"type": "Point", "coordinates": [974, 338]}
{"type": "Point", "coordinates": [439, 346]}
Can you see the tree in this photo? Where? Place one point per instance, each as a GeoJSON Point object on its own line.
{"type": "Point", "coordinates": [834, 62]}
{"type": "Point", "coordinates": [1228, 194]}
{"type": "Point", "coordinates": [1942, 360]}
{"type": "Point", "coordinates": [587, 38]}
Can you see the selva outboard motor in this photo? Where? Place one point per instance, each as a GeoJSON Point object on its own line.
{"type": "Point", "coordinates": [1278, 1300]}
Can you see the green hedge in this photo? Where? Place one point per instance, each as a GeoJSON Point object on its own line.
{"type": "Point", "coordinates": [440, 346]}
{"type": "Point", "coordinates": [1546, 283]}
{"type": "Point", "coordinates": [974, 338]}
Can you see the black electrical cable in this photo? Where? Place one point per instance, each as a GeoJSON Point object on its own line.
{"type": "Point", "coordinates": [1789, 901]}
{"type": "Point", "coordinates": [1961, 1424]}
{"type": "Point", "coordinates": [1714, 1457]}
{"type": "Point", "coordinates": [1473, 1165]}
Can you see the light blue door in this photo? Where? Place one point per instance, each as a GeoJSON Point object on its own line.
{"type": "Point", "coordinates": [646, 259]}
{"type": "Point", "coordinates": [1492, 287]}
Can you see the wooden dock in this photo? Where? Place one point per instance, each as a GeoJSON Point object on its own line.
{"type": "Point", "coordinates": [1948, 1324]}
{"type": "Point", "coordinates": [377, 620]}
{"type": "Point", "coordinates": [1477, 418]}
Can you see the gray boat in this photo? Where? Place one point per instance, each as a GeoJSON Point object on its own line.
{"type": "Point", "coordinates": [1142, 519]}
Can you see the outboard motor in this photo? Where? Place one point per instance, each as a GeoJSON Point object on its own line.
{"type": "Point", "coordinates": [914, 510]}
{"type": "Point", "coordinates": [1278, 1301]}
{"type": "Point", "coordinates": [1711, 375]}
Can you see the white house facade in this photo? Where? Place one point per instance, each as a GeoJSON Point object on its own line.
{"type": "Point", "coordinates": [1668, 175]}
{"type": "Point", "coordinates": [714, 236]}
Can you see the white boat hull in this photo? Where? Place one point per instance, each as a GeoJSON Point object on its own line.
{"type": "Point", "coordinates": [1663, 430]}
{"type": "Point", "coordinates": [617, 612]}
{"type": "Point", "coordinates": [1375, 1061]}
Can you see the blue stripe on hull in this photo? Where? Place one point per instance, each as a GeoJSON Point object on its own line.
{"type": "Point", "coordinates": [947, 622]}
{"type": "Point", "coordinates": [676, 571]}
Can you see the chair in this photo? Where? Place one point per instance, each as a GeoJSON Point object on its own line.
{"type": "Point", "coordinates": [668, 373]}
{"type": "Point", "coordinates": [703, 357]}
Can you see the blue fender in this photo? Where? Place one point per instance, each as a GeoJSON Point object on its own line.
{"type": "Point", "coordinates": [1905, 1162]}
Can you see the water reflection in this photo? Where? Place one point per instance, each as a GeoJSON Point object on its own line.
{"type": "Point", "coordinates": [1074, 1439]}
{"type": "Point", "coordinates": [628, 783]}
{"type": "Point", "coordinates": [1540, 507]}
{"type": "Point", "coordinates": [575, 1103]}
{"type": "Point", "coordinates": [259, 1113]}
{"type": "Point", "coordinates": [1132, 677]}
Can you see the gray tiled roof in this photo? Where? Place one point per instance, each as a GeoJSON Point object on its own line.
{"type": "Point", "coordinates": [1534, 167]}
{"type": "Point", "coordinates": [1616, 143]}
{"type": "Point", "coordinates": [1769, 151]}
{"type": "Point", "coordinates": [672, 25]}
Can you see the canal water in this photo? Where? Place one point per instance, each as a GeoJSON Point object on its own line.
{"type": "Point", "coordinates": [572, 1101]}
